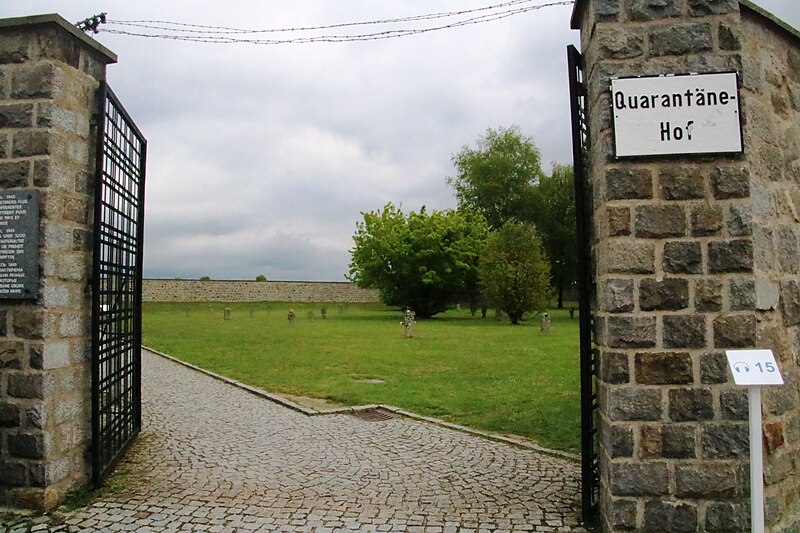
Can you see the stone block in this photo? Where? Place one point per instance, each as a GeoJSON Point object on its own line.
{"type": "Point", "coordinates": [627, 256]}
{"type": "Point", "coordinates": [730, 182]}
{"type": "Point", "coordinates": [623, 514]}
{"type": "Point", "coordinates": [743, 294]}
{"type": "Point", "coordinates": [30, 386]}
{"type": "Point", "coordinates": [727, 517]}
{"type": "Point", "coordinates": [790, 302]}
{"type": "Point", "coordinates": [787, 248]}
{"type": "Point", "coordinates": [701, 8]}
{"type": "Point", "coordinates": [706, 220]}
{"type": "Point", "coordinates": [666, 295]}
{"type": "Point", "coordinates": [691, 404]}
{"type": "Point", "coordinates": [681, 183]}
{"type": "Point", "coordinates": [36, 416]}
{"type": "Point", "coordinates": [12, 354]}
{"type": "Point", "coordinates": [781, 400]}
{"type": "Point", "coordinates": [9, 415]}
{"type": "Point", "coordinates": [76, 210]}
{"type": "Point", "coordinates": [730, 256]}
{"type": "Point", "coordinates": [707, 481]}
{"type": "Point", "coordinates": [733, 404]}
{"type": "Point", "coordinates": [16, 115]}
{"type": "Point", "coordinates": [81, 240]}
{"type": "Point", "coordinates": [725, 441]}
{"type": "Point", "coordinates": [606, 10]}
{"type": "Point", "coordinates": [708, 295]}
{"type": "Point", "coordinates": [29, 143]}
{"type": "Point", "coordinates": [629, 184]}
{"type": "Point", "coordinates": [735, 331]}
{"type": "Point", "coordinates": [646, 10]}
{"type": "Point", "coordinates": [618, 440]}
{"type": "Point", "coordinates": [677, 40]}
{"type": "Point", "coordinates": [778, 468]}
{"type": "Point", "coordinates": [729, 36]}
{"type": "Point", "coordinates": [42, 80]}
{"type": "Point", "coordinates": [678, 441]}
{"type": "Point", "coordinates": [681, 257]}
{"type": "Point", "coordinates": [773, 436]}
{"type": "Point", "coordinates": [619, 44]}
{"type": "Point", "coordinates": [619, 221]}
{"type": "Point", "coordinates": [618, 295]}
{"type": "Point", "coordinates": [650, 441]}
{"type": "Point", "coordinates": [631, 332]}
{"type": "Point", "coordinates": [28, 324]}
{"type": "Point", "coordinates": [36, 356]}
{"type": "Point", "coordinates": [56, 354]}
{"type": "Point", "coordinates": [660, 221]}
{"type": "Point", "coordinates": [684, 331]}
{"type": "Point", "coordinates": [675, 517]}
{"type": "Point", "coordinates": [663, 368]}
{"type": "Point", "coordinates": [630, 404]}
{"type": "Point", "coordinates": [639, 479]}
{"type": "Point", "coordinates": [14, 49]}
{"type": "Point", "coordinates": [14, 174]}
{"type": "Point", "coordinates": [614, 368]}
{"type": "Point", "coordinates": [27, 445]}
{"type": "Point", "coordinates": [13, 474]}
{"type": "Point", "coordinates": [740, 221]}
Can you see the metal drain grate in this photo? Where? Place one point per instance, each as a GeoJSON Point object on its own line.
{"type": "Point", "coordinates": [374, 415]}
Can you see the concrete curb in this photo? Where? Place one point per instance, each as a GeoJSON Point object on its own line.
{"type": "Point", "coordinates": [355, 409]}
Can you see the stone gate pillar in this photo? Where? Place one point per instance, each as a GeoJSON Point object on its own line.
{"type": "Point", "coordinates": [49, 73]}
{"type": "Point", "coordinates": [694, 254]}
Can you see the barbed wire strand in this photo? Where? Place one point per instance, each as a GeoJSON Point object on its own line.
{"type": "Point", "coordinates": [223, 35]}
{"type": "Point", "coordinates": [179, 26]}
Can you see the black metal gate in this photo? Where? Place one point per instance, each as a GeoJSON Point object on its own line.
{"type": "Point", "coordinates": [590, 477]}
{"type": "Point", "coordinates": [117, 284]}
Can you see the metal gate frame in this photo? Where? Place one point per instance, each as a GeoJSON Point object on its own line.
{"type": "Point", "coordinates": [590, 475]}
{"type": "Point", "coordinates": [116, 284]}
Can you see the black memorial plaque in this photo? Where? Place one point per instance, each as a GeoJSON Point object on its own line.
{"type": "Point", "coordinates": [19, 244]}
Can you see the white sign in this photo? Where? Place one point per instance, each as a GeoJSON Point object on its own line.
{"type": "Point", "coordinates": [687, 114]}
{"type": "Point", "coordinates": [754, 367]}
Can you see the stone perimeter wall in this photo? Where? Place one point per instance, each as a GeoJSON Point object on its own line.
{"type": "Point", "coordinates": [49, 73]}
{"type": "Point", "coordinates": [694, 255]}
{"type": "Point", "coordinates": [173, 290]}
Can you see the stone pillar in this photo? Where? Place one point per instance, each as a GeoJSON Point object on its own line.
{"type": "Point", "coordinates": [49, 73]}
{"type": "Point", "coordinates": [694, 255]}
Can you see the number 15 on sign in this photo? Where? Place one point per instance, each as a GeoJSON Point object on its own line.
{"type": "Point", "coordinates": [754, 367]}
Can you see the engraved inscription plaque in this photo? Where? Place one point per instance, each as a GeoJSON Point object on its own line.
{"type": "Point", "coordinates": [19, 244]}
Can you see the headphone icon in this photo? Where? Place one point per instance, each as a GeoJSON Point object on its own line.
{"type": "Point", "coordinates": [741, 367]}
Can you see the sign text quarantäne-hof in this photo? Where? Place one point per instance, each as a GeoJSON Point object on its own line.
{"type": "Point", "coordinates": [670, 115]}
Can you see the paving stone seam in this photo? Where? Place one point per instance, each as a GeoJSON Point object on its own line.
{"type": "Point", "coordinates": [354, 409]}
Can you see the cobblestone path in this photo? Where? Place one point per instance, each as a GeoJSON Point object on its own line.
{"type": "Point", "coordinates": [212, 457]}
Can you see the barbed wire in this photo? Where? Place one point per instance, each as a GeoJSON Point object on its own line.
{"type": "Point", "coordinates": [180, 31]}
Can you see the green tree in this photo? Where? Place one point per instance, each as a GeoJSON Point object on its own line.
{"type": "Point", "coordinates": [419, 261]}
{"type": "Point", "coordinates": [205, 278]}
{"type": "Point", "coordinates": [498, 178]}
{"type": "Point", "coordinates": [554, 216]}
{"type": "Point", "coordinates": [261, 277]}
{"type": "Point", "coordinates": [514, 270]}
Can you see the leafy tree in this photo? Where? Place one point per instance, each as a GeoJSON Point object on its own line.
{"type": "Point", "coordinates": [514, 270]}
{"type": "Point", "coordinates": [418, 261]}
{"type": "Point", "coordinates": [261, 277]}
{"type": "Point", "coordinates": [205, 278]}
{"type": "Point", "coordinates": [498, 178]}
{"type": "Point", "coordinates": [554, 216]}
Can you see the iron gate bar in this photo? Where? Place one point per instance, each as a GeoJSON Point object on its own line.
{"type": "Point", "coordinates": [116, 283]}
{"type": "Point", "coordinates": [590, 478]}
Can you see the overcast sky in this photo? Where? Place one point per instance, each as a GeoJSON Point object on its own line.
{"type": "Point", "coordinates": [261, 158]}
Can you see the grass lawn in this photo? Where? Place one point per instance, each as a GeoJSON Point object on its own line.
{"type": "Point", "coordinates": [477, 372]}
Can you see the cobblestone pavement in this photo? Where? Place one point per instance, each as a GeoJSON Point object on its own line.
{"type": "Point", "coordinates": [215, 458]}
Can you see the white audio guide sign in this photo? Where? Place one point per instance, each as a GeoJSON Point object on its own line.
{"type": "Point", "coordinates": [754, 367]}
